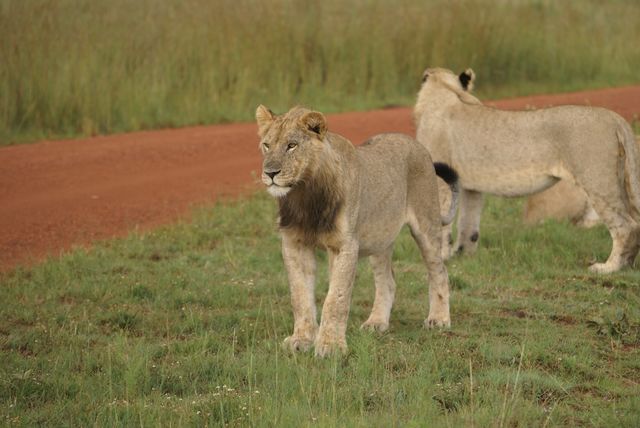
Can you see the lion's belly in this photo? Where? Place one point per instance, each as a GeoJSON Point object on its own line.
{"type": "Point", "coordinates": [511, 182]}
{"type": "Point", "coordinates": [382, 213]}
{"type": "Point", "coordinates": [375, 238]}
{"type": "Point", "coordinates": [508, 167]}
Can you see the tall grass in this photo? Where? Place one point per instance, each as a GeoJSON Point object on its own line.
{"type": "Point", "coordinates": [71, 67]}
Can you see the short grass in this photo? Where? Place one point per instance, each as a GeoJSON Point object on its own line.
{"type": "Point", "coordinates": [183, 326]}
{"type": "Point", "coordinates": [85, 67]}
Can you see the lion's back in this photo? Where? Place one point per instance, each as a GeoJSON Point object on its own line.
{"type": "Point", "coordinates": [393, 150]}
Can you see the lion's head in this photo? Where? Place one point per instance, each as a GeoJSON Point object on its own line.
{"type": "Point", "coordinates": [440, 85]}
{"type": "Point", "coordinates": [461, 82]}
{"type": "Point", "coordinates": [289, 143]}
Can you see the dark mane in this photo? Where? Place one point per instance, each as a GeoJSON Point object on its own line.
{"type": "Point", "coordinates": [311, 208]}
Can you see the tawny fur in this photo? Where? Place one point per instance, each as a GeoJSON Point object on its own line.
{"type": "Point", "coordinates": [351, 202]}
{"type": "Point", "coordinates": [563, 201]}
{"type": "Point", "coordinates": [517, 153]}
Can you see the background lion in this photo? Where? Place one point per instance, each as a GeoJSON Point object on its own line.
{"type": "Point", "coordinates": [516, 153]}
{"type": "Point", "coordinates": [352, 202]}
{"type": "Point", "coordinates": [562, 201]}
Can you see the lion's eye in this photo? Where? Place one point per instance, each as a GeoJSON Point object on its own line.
{"type": "Point", "coordinates": [424, 78]}
{"type": "Point", "coordinates": [265, 147]}
{"type": "Point", "coordinates": [291, 146]}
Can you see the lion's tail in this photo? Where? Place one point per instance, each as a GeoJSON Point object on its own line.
{"type": "Point", "coordinates": [450, 176]}
{"type": "Point", "coordinates": [627, 141]}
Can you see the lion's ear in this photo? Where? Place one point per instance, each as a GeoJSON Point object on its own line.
{"type": "Point", "coordinates": [467, 78]}
{"type": "Point", "coordinates": [315, 122]}
{"type": "Point", "coordinates": [264, 117]}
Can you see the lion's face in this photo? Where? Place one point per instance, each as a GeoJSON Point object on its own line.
{"type": "Point", "coordinates": [289, 144]}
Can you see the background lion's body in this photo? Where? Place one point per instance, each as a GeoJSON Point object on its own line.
{"type": "Point", "coordinates": [563, 201]}
{"type": "Point", "coordinates": [518, 153]}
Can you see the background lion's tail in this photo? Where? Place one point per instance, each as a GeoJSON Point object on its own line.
{"type": "Point", "coordinates": [450, 176]}
{"type": "Point", "coordinates": [627, 140]}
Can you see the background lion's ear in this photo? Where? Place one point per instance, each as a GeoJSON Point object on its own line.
{"type": "Point", "coordinates": [315, 122]}
{"type": "Point", "coordinates": [467, 78]}
{"type": "Point", "coordinates": [264, 117]}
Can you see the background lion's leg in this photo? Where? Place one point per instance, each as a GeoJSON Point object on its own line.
{"type": "Point", "coordinates": [589, 219]}
{"type": "Point", "coordinates": [385, 291]}
{"type": "Point", "coordinates": [625, 233]}
{"type": "Point", "coordinates": [300, 263]}
{"type": "Point", "coordinates": [444, 194]}
{"type": "Point", "coordinates": [447, 241]}
{"type": "Point", "coordinates": [469, 221]}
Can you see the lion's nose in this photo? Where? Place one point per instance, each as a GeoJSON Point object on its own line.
{"type": "Point", "coordinates": [272, 174]}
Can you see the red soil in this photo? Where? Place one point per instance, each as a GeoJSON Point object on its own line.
{"type": "Point", "coordinates": [56, 195]}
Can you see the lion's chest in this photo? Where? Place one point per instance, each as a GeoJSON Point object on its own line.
{"type": "Point", "coordinates": [311, 213]}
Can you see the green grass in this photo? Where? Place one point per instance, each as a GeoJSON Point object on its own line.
{"type": "Point", "coordinates": [85, 67]}
{"type": "Point", "coordinates": [183, 327]}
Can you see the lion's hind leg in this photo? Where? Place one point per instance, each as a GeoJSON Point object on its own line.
{"type": "Point", "coordinates": [624, 231]}
{"type": "Point", "coordinates": [425, 223]}
{"type": "Point", "coordinates": [425, 226]}
{"type": "Point", "coordinates": [385, 292]}
{"type": "Point", "coordinates": [429, 243]}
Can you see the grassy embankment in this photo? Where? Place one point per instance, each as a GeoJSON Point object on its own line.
{"type": "Point", "coordinates": [183, 326]}
{"type": "Point", "coordinates": [81, 67]}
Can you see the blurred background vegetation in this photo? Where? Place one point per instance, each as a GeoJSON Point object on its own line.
{"type": "Point", "coordinates": [85, 67]}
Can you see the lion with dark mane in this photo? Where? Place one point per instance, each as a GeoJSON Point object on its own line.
{"type": "Point", "coordinates": [352, 202]}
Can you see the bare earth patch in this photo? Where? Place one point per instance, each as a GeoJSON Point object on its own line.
{"type": "Point", "coordinates": [56, 195]}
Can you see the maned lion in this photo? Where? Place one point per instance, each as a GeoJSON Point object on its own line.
{"type": "Point", "coordinates": [352, 202]}
{"type": "Point", "coordinates": [562, 201]}
{"type": "Point", "coordinates": [515, 153]}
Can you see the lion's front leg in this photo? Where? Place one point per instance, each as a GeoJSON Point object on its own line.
{"type": "Point", "coordinates": [335, 312]}
{"type": "Point", "coordinates": [300, 263]}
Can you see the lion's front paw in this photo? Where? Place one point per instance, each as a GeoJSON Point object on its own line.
{"type": "Point", "coordinates": [375, 325]}
{"type": "Point", "coordinates": [326, 346]}
{"type": "Point", "coordinates": [441, 321]}
{"type": "Point", "coordinates": [297, 344]}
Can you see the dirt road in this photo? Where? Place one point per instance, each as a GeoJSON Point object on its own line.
{"type": "Point", "coordinates": [55, 195]}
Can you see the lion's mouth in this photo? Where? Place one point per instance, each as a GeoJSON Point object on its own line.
{"type": "Point", "coordinates": [277, 190]}
{"type": "Point", "coordinates": [276, 186]}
